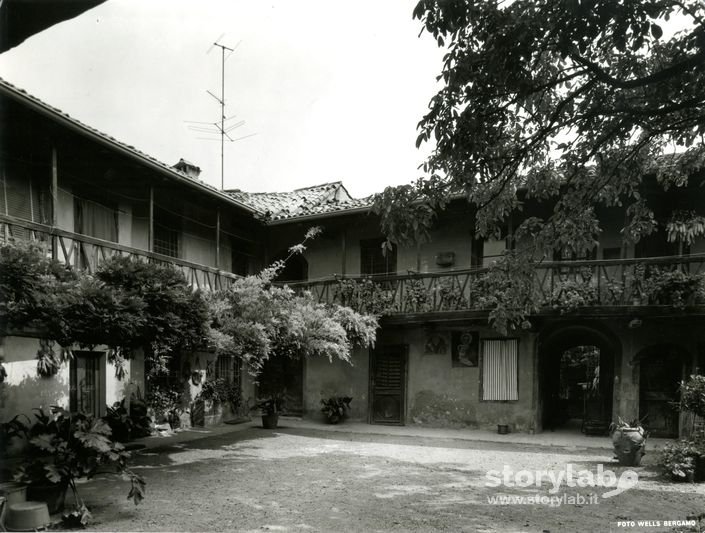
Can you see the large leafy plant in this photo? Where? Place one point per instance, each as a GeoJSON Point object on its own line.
{"type": "Point", "coordinates": [65, 447]}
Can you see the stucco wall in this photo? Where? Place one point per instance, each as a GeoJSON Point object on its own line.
{"type": "Point", "coordinates": [23, 389]}
{"type": "Point", "coordinates": [324, 378]}
{"type": "Point", "coordinates": [439, 394]}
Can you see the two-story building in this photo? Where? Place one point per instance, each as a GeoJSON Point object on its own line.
{"type": "Point", "coordinates": [615, 353]}
{"type": "Point", "coordinates": [86, 197]}
{"type": "Point", "coordinates": [619, 351]}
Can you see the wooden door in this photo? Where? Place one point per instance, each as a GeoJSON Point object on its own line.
{"type": "Point", "coordinates": [388, 384]}
{"type": "Point", "coordinates": [658, 395]}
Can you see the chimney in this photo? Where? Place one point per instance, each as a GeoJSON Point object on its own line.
{"type": "Point", "coordinates": [191, 170]}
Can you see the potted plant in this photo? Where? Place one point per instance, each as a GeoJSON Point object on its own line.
{"type": "Point", "coordinates": [64, 448]}
{"type": "Point", "coordinates": [678, 460]}
{"type": "Point", "coordinates": [270, 407]}
{"type": "Point", "coordinates": [335, 408]}
{"type": "Point", "coordinates": [629, 441]}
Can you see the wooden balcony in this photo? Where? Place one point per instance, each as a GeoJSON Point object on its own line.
{"type": "Point", "coordinates": [557, 287]}
{"type": "Point", "coordinates": [86, 253]}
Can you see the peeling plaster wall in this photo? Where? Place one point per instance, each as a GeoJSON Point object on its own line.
{"type": "Point", "coordinates": [437, 394]}
{"type": "Point", "coordinates": [441, 395]}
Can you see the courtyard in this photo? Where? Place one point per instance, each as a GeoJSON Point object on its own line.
{"type": "Point", "coordinates": [306, 478]}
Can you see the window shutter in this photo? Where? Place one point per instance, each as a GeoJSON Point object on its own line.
{"type": "Point", "coordinates": [499, 370]}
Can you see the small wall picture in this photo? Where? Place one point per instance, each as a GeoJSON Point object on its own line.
{"type": "Point", "coordinates": [465, 345]}
{"type": "Point", "coordinates": [436, 344]}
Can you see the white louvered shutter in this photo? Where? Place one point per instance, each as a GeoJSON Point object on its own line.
{"type": "Point", "coordinates": [499, 370]}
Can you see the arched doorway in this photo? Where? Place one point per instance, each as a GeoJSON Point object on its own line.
{"type": "Point", "coordinates": [661, 369]}
{"type": "Point", "coordinates": [576, 378]}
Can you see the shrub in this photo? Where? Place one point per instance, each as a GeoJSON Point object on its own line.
{"type": "Point", "coordinates": [678, 459]}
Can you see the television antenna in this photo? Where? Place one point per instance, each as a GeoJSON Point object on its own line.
{"type": "Point", "coordinates": [223, 127]}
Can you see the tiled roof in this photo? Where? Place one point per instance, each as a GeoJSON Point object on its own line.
{"type": "Point", "coordinates": [32, 101]}
{"type": "Point", "coordinates": [309, 201]}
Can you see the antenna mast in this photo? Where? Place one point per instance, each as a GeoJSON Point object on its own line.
{"type": "Point", "coordinates": [223, 48]}
{"type": "Point", "coordinates": [222, 129]}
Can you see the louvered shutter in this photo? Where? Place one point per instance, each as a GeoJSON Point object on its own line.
{"type": "Point", "coordinates": [499, 370]}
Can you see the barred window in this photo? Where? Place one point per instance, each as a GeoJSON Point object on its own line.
{"type": "Point", "coordinates": [374, 261]}
{"type": "Point", "coordinates": [499, 370]}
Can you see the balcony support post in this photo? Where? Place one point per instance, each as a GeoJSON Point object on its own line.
{"type": "Point", "coordinates": [343, 251]}
{"type": "Point", "coordinates": [150, 238]}
{"type": "Point", "coordinates": [54, 200]}
{"type": "Point", "coordinates": [217, 238]}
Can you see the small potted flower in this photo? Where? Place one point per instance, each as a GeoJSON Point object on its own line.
{"type": "Point", "coordinates": [270, 407]}
{"type": "Point", "coordinates": [335, 408]}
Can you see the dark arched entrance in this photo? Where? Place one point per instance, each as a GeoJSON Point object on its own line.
{"type": "Point", "coordinates": [576, 377]}
{"type": "Point", "coordinates": [661, 369]}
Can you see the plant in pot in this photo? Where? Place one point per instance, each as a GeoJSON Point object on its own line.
{"type": "Point", "coordinates": [678, 460]}
{"type": "Point", "coordinates": [629, 441]}
{"type": "Point", "coordinates": [64, 448]}
{"type": "Point", "coordinates": [335, 408]}
{"type": "Point", "coordinates": [270, 407]}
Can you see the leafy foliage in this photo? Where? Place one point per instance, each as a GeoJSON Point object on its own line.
{"type": "Point", "coordinates": [220, 390]}
{"type": "Point", "coordinates": [255, 319]}
{"type": "Point", "coordinates": [64, 448]}
{"type": "Point", "coordinates": [335, 408]}
{"type": "Point", "coordinates": [692, 394]}
{"type": "Point", "coordinates": [572, 102]}
{"type": "Point", "coordinates": [127, 304]}
{"type": "Point", "coordinates": [678, 458]}
{"type": "Point", "coordinates": [270, 405]}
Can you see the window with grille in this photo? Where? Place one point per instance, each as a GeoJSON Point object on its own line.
{"type": "Point", "coordinates": [86, 388]}
{"type": "Point", "coordinates": [500, 370]}
{"type": "Point", "coordinates": [166, 240]}
{"type": "Point", "coordinates": [167, 233]}
{"type": "Point", "coordinates": [373, 261]}
{"type": "Point", "coordinates": [223, 367]}
{"type": "Point", "coordinates": [24, 197]}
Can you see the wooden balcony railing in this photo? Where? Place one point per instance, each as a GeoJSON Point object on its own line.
{"type": "Point", "coordinates": [667, 281]}
{"type": "Point", "coordinates": [86, 253]}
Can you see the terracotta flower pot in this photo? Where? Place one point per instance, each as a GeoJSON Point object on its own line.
{"type": "Point", "coordinates": [54, 494]}
{"type": "Point", "coordinates": [270, 421]}
{"type": "Point", "coordinates": [629, 445]}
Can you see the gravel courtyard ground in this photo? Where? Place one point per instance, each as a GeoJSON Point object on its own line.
{"type": "Point", "coordinates": [316, 480]}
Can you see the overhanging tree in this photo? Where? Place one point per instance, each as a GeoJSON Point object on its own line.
{"type": "Point", "coordinates": [573, 101]}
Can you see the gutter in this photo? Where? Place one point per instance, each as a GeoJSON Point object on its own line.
{"type": "Point", "coordinates": [46, 110]}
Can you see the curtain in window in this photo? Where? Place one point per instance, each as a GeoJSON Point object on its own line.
{"type": "Point", "coordinates": [96, 220]}
{"type": "Point", "coordinates": [499, 370]}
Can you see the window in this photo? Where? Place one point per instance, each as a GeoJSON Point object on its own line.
{"type": "Point", "coordinates": [86, 386]}
{"type": "Point", "coordinates": [228, 368]}
{"type": "Point", "coordinates": [477, 252]}
{"type": "Point", "coordinates": [612, 253]}
{"type": "Point", "coordinates": [499, 370]}
{"type": "Point", "coordinates": [167, 238]}
{"type": "Point", "coordinates": [242, 253]}
{"type": "Point", "coordinates": [96, 219]}
{"type": "Point", "coordinates": [25, 197]}
{"type": "Point", "coordinates": [373, 261]}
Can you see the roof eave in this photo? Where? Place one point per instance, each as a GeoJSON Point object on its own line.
{"type": "Point", "coordinates": [46, 110]}
{"type": "Point", "coordinates": [318, 216]}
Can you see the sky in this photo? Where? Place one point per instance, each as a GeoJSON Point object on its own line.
{"type": "Point", "coordinates": [328, 90]}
